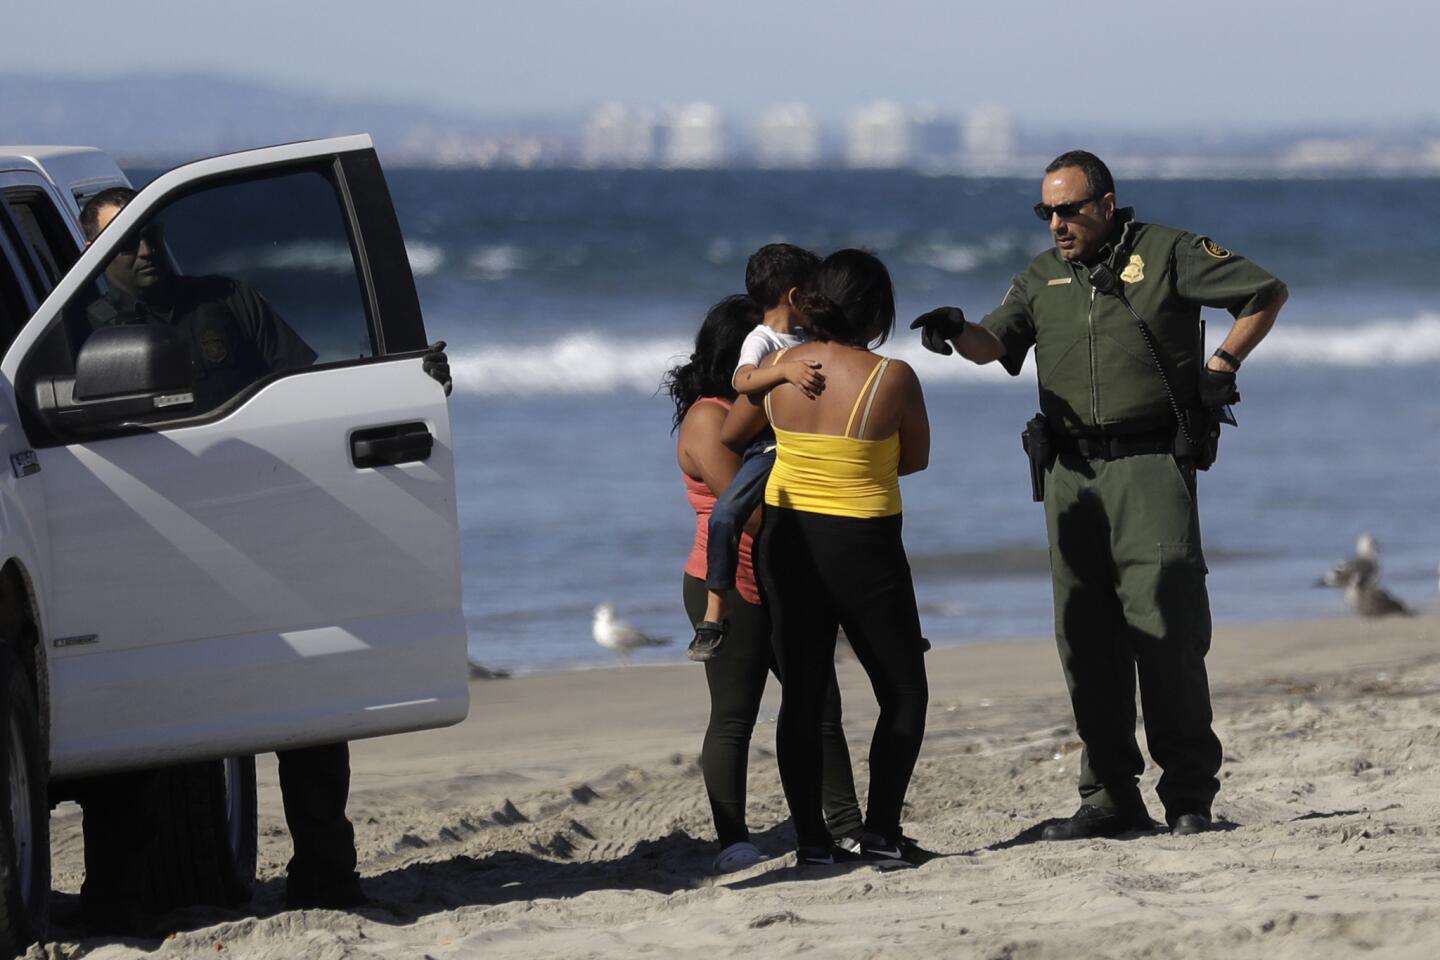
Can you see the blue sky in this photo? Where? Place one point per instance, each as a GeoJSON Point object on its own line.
{"type": "Point", "coordinates": [1222, 65]}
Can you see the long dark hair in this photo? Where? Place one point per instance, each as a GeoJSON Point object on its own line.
{"type": "Point", "coordinates": [849, 299]}
{"type": "Point", "coordinates": [711, 368]}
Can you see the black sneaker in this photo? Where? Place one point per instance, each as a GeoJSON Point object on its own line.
{"type": "Point", "coordinates": [823, 855]}
{"type": "Point", "coordinates": [1091, 821]}
{"type": "Point", "coordinates": [877, 849]}
{"type": "Point", "coordinates": [708, 637]}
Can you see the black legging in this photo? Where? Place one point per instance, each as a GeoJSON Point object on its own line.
{"type": "Point", "coordinates": [819, 572]}
{"type": "Point", "coordinates": [736, 679]}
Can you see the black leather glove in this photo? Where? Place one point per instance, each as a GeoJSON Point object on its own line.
{"type": "Point", "coordinates": [938, 327]}
{"type": "Point", "coordinates": [437, 364]}
{"type": "Point", "coordinates": [1217, 388]}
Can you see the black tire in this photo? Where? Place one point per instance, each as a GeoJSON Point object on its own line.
{"type": "Point", "coordinates": [24, 814]}
{"type": "Point", "coordinates": [205, 851]}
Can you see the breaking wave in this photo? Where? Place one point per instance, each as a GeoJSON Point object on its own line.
{"type": "Point", "coordinates": [425, 258]}
{"type": "Point", "coordinates": [312, 255]}
{"type": "Point", "coordinates": [319, 257]}
{"type": "Point", "coordinates": [495, 262]}
{"type": "Point", "coordinates": [1378, 343]}
{"type": "Point", "coordinates": [591, 363]}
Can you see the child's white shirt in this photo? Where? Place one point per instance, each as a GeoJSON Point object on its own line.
{"type": "Point", "coordinates": [763, 341]}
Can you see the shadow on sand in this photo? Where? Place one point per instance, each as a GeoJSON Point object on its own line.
{"type": "Point", "coordinates": [1032, 834]}
{"type": "Point", "coordinates": [402, 896]}
{"type": "Point", "coordinates": [405, 895]}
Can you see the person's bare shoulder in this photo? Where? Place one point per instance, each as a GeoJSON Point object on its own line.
{"type": "Point", "coordinates": [701, 427]}
{"type": "Point", "coordinates": [703, 414]}
{"type": "Point", "coordinates": [900, 378]}
{"type": "Point", "coordinates": [899, 368]}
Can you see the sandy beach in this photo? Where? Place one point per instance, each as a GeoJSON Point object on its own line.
{"type": "Point", "coordinates": [566, 817]}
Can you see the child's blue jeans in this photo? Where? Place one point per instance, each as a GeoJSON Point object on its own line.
{"type": "Point", "coordinates": [732, 509]}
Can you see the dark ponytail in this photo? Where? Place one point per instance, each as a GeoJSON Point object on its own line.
{"type": "Point", "coordinates": [820, 312]}
{"type": "Point", "coordinates": [849, 299]}
{"type": "Point", "coordinates": [711, 368]}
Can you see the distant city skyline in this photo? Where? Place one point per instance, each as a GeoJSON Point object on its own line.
{"type": "Point", "coordinates": [1225, 66]}
{"type": "Point", "coordinates": [165, 119]}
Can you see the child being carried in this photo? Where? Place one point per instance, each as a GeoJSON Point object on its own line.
{"type": "Point", "coordinates": [773, 276]}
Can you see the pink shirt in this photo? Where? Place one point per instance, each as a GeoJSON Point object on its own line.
{"type": "Point", "coordinates": [703, 501]}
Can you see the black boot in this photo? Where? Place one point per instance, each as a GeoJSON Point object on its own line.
{"type": "Point", "coordinates": [1188, 823]}
{"type": "Point", "coordinates": [1092, 821]}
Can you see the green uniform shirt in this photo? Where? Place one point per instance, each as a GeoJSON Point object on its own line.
{"type": "Point", "coordinates": [1095, 370]}
{"type": "Point", "coordinates": [236, 337]}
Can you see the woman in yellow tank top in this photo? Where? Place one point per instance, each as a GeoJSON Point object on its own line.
{"type": "Point", "coordinates": [830, 548]}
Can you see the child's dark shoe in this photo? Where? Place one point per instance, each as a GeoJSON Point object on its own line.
{"type": "Point", "coordinates": [708, 637]}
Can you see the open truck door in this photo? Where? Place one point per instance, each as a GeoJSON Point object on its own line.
{"type": "Point", "coordinates": [248, 489]}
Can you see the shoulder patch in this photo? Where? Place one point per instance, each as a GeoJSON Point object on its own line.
{"type": "Point", "coordinates": [1214, 249]}
{"type": "Point", "coordinates": [1058, 282]}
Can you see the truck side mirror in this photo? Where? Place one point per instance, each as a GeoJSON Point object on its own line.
{"type": "Point", "coordinates": [127, 372]}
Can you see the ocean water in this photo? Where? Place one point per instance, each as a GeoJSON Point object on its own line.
{"type": "Point", "coordinates": [565, 295]}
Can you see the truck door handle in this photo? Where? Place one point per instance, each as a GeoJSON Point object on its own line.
{"type": "Point", "coordinates": [387, 446]}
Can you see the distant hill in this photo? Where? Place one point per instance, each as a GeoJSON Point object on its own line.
{"type": "Point", "coordinates": [170, 118]}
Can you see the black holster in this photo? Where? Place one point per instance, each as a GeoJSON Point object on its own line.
{"type": "Point", "coordinates": [1041, 450]}
{"type": "Point", "coordinates": [1204, 423]}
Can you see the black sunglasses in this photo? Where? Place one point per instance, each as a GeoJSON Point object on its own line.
{"type": "Point", "coordinates": [153, 235]}
{"type": "Point", "coordinates": [1065, 210]}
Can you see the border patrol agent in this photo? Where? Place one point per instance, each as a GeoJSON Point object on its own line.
{"type": "Point", "coordinates": [1127, 415]}
{"type": "Point", "coordinates": [235, 336]}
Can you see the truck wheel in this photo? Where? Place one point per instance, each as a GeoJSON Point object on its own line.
{"type": "Point", "coordinates": [24, 814]}
{"type": "Point", "coordinates": [205, 852]}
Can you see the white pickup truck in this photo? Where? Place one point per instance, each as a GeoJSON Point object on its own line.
{"type": "Point", "coordinates": [194, 570]}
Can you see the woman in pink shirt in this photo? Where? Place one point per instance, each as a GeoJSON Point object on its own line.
{"type": "Point", "coordinates": [702, 392]}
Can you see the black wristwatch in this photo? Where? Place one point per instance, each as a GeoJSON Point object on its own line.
{"type": "Point", "coordinates": [1228, 357]}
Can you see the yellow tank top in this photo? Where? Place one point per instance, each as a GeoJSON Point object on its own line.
{"type": "Point", "coordinates": [842, 476]}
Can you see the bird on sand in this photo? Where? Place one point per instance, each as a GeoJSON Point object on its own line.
{"type": "Point", "coordinates": [615, 634]}
{"type": "Point", "coordinates": [1370, 600]}
{"type": "Point", "coordinates": [1364, 566]}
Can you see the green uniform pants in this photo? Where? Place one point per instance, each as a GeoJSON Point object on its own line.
{"type": "Point", "coordinates": [1129, 580]}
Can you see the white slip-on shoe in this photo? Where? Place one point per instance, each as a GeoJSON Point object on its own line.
{"type": "Point", "coordinates": [737, 856]}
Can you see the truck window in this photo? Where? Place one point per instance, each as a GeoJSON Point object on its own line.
{"type": "Point", "coordinates": [42, 235]}
{"type": "Point", "coordinates": [259, 275]}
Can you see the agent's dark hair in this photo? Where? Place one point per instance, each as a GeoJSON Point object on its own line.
{"type": "Point", "coordinates": [850, 300]}
{"type": "Point", "coordinates": [774, 269]}
{"type": "Point", "coordinates": [90, 213]}
{"type": "Point", "coordinates": [711, 368]}
{"type": "Point", "coordinates": [1098, 181]}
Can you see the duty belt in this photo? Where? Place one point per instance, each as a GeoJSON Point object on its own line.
{"type": "Point", "coordinates": [1114, 447]}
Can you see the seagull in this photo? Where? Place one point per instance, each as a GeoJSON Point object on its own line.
{"type": "Point", "coordinates": [1368, 600]}
{"type": "Point", "coordinates": [1365, 565]}
{"type": "Point", "coordinates": [613, 634]}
